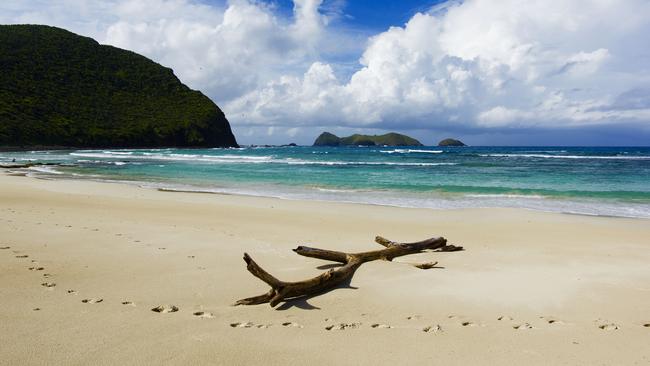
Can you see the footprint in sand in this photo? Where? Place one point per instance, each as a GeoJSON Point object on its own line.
{"type": "Point", "coordinates": [72, 292]}
{"type": "Point", "coordinates": [164, 309]}
{"type": "Point", "coordinates": [469, 324]}
{"type": "Point", "coordinates": [161, 248]}
{"type": "Point", "coordinates": [413, 317]}
{"type": "Point", "coordinates": [129, 303]}
{"type": "Point", "coordinates": [381, 326]}
{"type": "Point", "coordinates": [432, 329]}
{"type": "Point", "coordinates": [48, 284]}
{"type": "Point", "coordinates": [22, 256]}
{"type": "Point", "coordinates": [610, 326]}
{"type": "Point", "coordinates": [291, 324]}
{"type": "Point", "coordinates": [190, 256]}
{"type": "Point", "coordinates": [523, 326]}
{"type": "Point", "coordinates": [204, 314]}
{"type": "Point", "coordinates": [343, 326]}
{"type": "Point", "coordinates": [36, 268]}
{"type": "Point", "coordinates": [46, 275]}
{"type": "Point", "coordinates": [647, 325]}
{"type": "Point", "coordinates": [92, 300]}
{"type": "Point", "coordinates": [5, 247]}
{"type": "Point", "coordinates": [242, 325]}
{"type": "Point", "coordinates": [551, 320]}
{"type": "Point", "coordinates": [505, 317]}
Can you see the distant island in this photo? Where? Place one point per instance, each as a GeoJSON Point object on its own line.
{"type": "Point", "coordinates": [389, 139]}
{"type": "Point", "coordinates": [59, 89]}
{"type": "Point", "coordinates": [451, 142]}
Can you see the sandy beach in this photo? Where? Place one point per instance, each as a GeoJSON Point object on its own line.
{"type": "Point", "coordinates": [83, 263]}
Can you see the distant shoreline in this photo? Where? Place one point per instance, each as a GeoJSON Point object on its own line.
{"type": "Point", "coordinates": [62, 148]}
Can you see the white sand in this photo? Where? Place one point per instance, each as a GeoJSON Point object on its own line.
{"type": "Point", "coordinates": [563, 276]}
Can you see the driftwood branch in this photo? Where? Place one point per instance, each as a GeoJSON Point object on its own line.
{"type": "Point", "coordinates": [427, 265]}
{"type": "Point", "coordinates": [282, 291]}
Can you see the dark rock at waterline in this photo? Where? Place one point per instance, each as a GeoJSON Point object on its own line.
{"type": "Point", "coordinates": [451, 142]}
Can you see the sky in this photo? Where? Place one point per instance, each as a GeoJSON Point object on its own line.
{"type": "Point", "coordinates": [508, 72]}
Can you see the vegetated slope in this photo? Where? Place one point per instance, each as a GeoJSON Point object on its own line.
{"type": "Point", "coordinates": [61, 89]}
{"type": "Point", "coordinates": [389, 139]}
{"type": "Point", "coordinates": [451, 142]}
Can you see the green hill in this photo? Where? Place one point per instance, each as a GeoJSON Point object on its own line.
{"type": "Point", "coordinates": [451, 142]}
{"type": "Point", "coordinates": [61, 89]}
{"type": "Point", "coordinates": [327, 139]}
{"type": "Point", "coordinates": [389, 139]}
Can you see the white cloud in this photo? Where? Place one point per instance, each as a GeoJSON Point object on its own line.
{"type": "Point", "coordinates": [223, 51]}
{"type": "Point", "coordinates": [465, 64]}
{"type": "Point", "coordinates": [585, 62]}
{"type": "Point", "coordinates": [225, 54]}
{"type": "Point", "coordinates": [501, 116]}
{"type": "Point", "coordinates": [480, 64]}
{"type": "Point", "coordinates": [292, 132]}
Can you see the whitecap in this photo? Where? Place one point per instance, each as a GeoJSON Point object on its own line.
{"type": "Point", "coordinates": [504, 195]}
{"type": "Point", "coordinates": [118, 152]}
{"type": "Point", "coordinates": [614, 157]}
{"type": "Point", "coordinates": [408, 151]}
{"type": "Point", "coordinates": [44, 169]}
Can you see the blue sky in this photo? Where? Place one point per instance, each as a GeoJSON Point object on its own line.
{"type": "Point", "coordinates": [369, 16]}
{"type": "Point", "coordinates": [506, 72]}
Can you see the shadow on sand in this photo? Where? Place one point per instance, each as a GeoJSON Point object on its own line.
{"type": "Point", "coordinates": [302, 303]}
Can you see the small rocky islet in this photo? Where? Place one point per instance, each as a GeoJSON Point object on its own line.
{"type": "Point", "coordinates": [451, 142]}
{"type": "Point", "coordinates": [389, 139]}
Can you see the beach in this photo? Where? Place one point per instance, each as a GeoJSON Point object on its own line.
{"type": "Point", "coordinates": [83, 264]}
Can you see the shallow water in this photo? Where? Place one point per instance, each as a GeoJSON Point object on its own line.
{"type": "Point", "coordinates": [586, 180]}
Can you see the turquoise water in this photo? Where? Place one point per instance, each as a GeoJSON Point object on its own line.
{"type": "Point", "coordinates": [586, 180]}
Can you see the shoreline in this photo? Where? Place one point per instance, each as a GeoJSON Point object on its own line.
{"type": "Point", "coordinates": [530, 287]}
{"type": "Point", "coordinates": [478, 178]}
{"type": "Point", "coordinates": [153, 186]}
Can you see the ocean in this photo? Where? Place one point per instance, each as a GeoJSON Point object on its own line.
{"type": "Point", "coordinates": [608, 181]}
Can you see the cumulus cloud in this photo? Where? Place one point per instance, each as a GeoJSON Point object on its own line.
{"type": "Point", "coordinates": [474, 64]}
{"type": "Point", "coordinates": [481, 64]}
{"type": "Point", "coordinates": [223, 51]}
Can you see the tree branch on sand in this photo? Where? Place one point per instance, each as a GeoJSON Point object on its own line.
{"type": "Point", "coordinates": [283, 291]}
